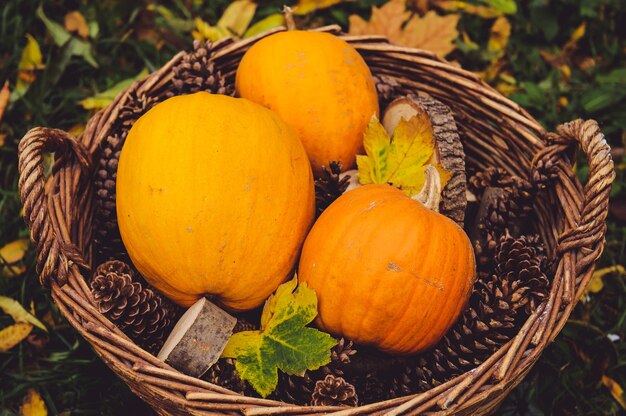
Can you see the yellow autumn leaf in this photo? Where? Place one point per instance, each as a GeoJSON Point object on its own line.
{"type": "Point", "coordinates": [205, 31]}
{"type": "Point", "coordinates": [309, 6]}
{"type": "Point", "coordinates": [499, 37]}
{"type": "Point", "coordinates": [237, 16]}
{"type": "Point", "coordinates": [18, 313]}
{"type": "Point", "coordinates": [30, 61]}
{"type": "Point", "coordinates": [104, 98]}
{"type": "Point", "coordinates": [486, 12]}
{"type": "Point", "coordinates": [13, 335]}
{"type": "Point", "coordinates": [402, 160]}
{"type": "Point", "coordinates": [431, 32]}
{"type": "Point", "coordinates": [5, 96]}
{"type": "Point", "coordinates": [75, 22]}
{"type": "Point", "coordinates": [597, 279]}
{"type": "Point", "coordinates": [263, 25]}
{"type": "Point", "coordinates": [10, 254]}
{"type": "Point", "coordinates": [616, 390]}
{"type": "Point", "coordinates": [33, 404]}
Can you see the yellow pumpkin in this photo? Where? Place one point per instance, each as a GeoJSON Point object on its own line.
{"type": "Point", "coordinates": [387, 271]}
{"type": "Point", "coordinates": [318, 84]}
{"type": "Point", "coordinates": [214, 197]}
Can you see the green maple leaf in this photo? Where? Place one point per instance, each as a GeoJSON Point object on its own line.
{"type": "Point", "coordinates": [402, 160]}
{"type": "Point", "coordinates": [283, 342]}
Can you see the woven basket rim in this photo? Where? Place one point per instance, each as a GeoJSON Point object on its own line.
{"type": "Point", "coordinates": [573, 229]}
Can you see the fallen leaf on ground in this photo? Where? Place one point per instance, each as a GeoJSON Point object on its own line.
{"type": "Point", "coordinates": [75, 22]}
{"type": "Point", "coordinates": [562, 59]}
{"type": "Point", "coordinates": [30, 62]}
{"type": "Point", "coordinates": [5, 96]}
{"type": "Point", "coordinates": [309, 6]}
{"type": "Point", "coordinates": [431, 32]}
{"type": "Point", "coordinates": [18, 313]}
{"type": "Point", "coordinates": [13, 335]}
{"type": "Point", "coordinates": [33, 404]}
{"type": "Point", "coordinates": [616, 390]}
{"type": "Point", "coordinates": [499, 37]}
{"type": "Point", "coordinates": [10, 254]}
{"type": "Point", "coordinates": [104, 98]}
{"type": "Point", "coordinates": [270, 22]}
{"type": "Point", "coordinates": [597, 279]}
{"type": "Point", "coordinates": [485, 12]}
{"type": "Point", "coordinates": [237, 16]}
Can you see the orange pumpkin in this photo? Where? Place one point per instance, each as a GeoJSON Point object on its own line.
{"type": "Point", "coordinates": [214, 197]}
{"type": "Point", "coordinates": [387, 271]}
{"type": "Point", "coordinates": [319, 85]}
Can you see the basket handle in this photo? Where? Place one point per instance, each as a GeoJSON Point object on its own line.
{"type": "Point", "coordinates": [54, 254]}
{"type": "Point", "coordinates": [589, 231]}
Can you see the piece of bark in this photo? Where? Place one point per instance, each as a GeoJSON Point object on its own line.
{"type": "Point", "coordinates": [490, 196]}
{"type": "Point", "coordinates": [448, 147]}
{"type": "Point", "coordinates": [198, 338]}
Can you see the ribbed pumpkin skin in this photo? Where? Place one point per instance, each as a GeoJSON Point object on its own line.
{"type": "Point", "coordinates": [387, 271]}
{"type": "Point", "coordinates": [319, 85]}
{"type": "Point", "coordinates": [214, 197]}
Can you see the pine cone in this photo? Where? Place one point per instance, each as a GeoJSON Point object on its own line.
{"type": "Point", "coordinates": [329, 187]}
{"type": "Point", "coordinates": [372, 388]}
{"type": "Point", "coordinates": [140, 312]}
{"type": "Point", "coordinates": [387, 88]}
{"type": "Point", "coordinates": [107, 240]}
{"type": "Point", "coordinates": [196, 72]}
{"type": "Point", "coordinates": [334, 391]}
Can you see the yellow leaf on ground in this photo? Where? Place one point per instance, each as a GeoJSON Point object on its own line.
{"type": "Point", "coordinates": [75, 22]}
{"type": "Point", "coordinates": [597, 280]}
{"type": "Point", "coordinates": [33, 404]}
{"type": "Point", "coordinates": [104, 98]}
{"type": "Point", "coordinates": [309, 6]}
{"type": "Point", "coordinates": [499, 36]}
{"type": "Point", "coordinates": [30, 61]}
{"type": "Point", "coordinates": [486, 12]}
{"type": "Point", "coordinates": [10, 254]}
{"type": "Point", "coordinates": [270, 22]}
{"type": "Point", "coordinates": [431, 32]}
{"type": "Point", "coordinates": [616, 390]}
{"type": "Point", "coordinates": [205, 31]}
{"type": "Point", "coordinates": [13, 335]}
{"type": "Point", "coordinates": [237, 16]}
{"type": "Point", "coordinates": [18, 313]}
{"type": "Point", "coordinates": [5, 95]}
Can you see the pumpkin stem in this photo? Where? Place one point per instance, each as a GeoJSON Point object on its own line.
{"type": "Point", "coordinates": [430, 195]}
{"type": "Point", "coordinates": [289, 22]}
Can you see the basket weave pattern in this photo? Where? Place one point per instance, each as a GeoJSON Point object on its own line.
{"type": "Point", "coordinates": [495, 132]}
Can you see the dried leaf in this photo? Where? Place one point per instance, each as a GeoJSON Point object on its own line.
{"type": "Point", "coordinates": [104, 98]}
{"type": "Point", "coordinates": [616, 390]}
{"type": "Point", "coordinates": [499, 37]}
{"type": "Point", "coordinates": [13, 335]}
{"type": "Point", "coordinates": [33, 404]}
{"type": "Point", "coordinates": [75, 22]}
{"type": "Point", "coordinates": [5, 96]}
{"type": "Point", "coordinates": [10, 254]}
{"type": "Point", "coordinates": [18, 313]}
{"type": "Point", "coordinates": [504, 6]}
{"type": "Point", "coordinates": [402, 160]}
{"type": "Point", "coordinates": [284, 341]}
{"type": "Point", "coordinates": [237, 16]}
{"type": "Point", "coordinates": [431, 32]}
{"type": "Point", "coordinates": [270, 22]}
{"type": "Point", "coordinates": [486, 12]}
{"type": "Point", "coordinates": [308, 6]}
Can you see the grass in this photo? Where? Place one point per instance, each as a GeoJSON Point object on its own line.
{"type": "Point", "coordinates": [132, 36]}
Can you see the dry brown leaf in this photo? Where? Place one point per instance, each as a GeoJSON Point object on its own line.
{"type": "Point", "coordinates": [33, 404]}
{"type": "Point", "coordinates": [5, 95]}
{"type": "Point", "coordinates": [616, 390]}
{"type": "Point", "coordinates": [10, 255]}
{"type": "Point", "coordinates": [499, 36]}
{"type": "Point", "coordinates": [431, 32]}
{"type": "Point", "coordinates": [3, 138]}
{"type": "Point", "coordinates": [14, 334]}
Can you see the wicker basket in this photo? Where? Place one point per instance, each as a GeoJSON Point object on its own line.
{"type": "Point", "coordinates": [495, 132]}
